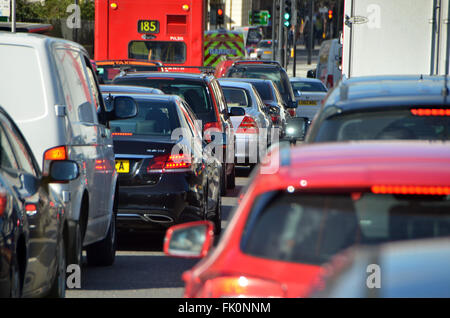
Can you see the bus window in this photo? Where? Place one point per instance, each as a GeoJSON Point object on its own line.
{"type": "Point", "coordinates": [166, 52]}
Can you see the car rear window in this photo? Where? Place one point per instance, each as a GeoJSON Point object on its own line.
{"type": "Point", "coordinates": [236, 97]}
{"type": "Point", "coordinates": [265, 44]}
{"type": "Point", "coordinates": [264, 90]}
{"type": "Point", "coordinates": [388, 125]}
{"type": "Point", "coordinates": [268, 73]}
{"type": "Point", "coordinates": [308, 87]}
{"type": "Point", "coordinates": [157, 118]}
{"type": "Point", "coordinates": [193, 92]}
{"type": "Point", "coordinates": [311, 228]}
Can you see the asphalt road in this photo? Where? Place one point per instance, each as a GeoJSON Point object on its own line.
{"type": "Point", "coordinates": [141, 269]}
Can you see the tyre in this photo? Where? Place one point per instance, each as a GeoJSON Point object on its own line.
{"type": "Point", "coordinates": [58, 289]}
{"type": "Point", "coordinates": [223, 182]}
{"type": "Point", "coordinates": [231, 180]}
{"type": "Point", "coordinates": [103, 253]}
{"type": "Point", "coordinates": [75, 252]}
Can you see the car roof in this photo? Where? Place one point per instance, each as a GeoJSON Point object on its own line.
{"type": "Point", "coordinates": [360, 165]}
{"type": "Point", "coordinates": [129, 89]}
{"type": "Point", "coordinates": [191, 76]}
{"type": "Point", "coordinates": [305, 79]}
{"type": "Point", "coordinates": [368, 92]}
{"type": "Point", "coordinates": [245, 79]}
{"type": "Point", "coordinates": [147, 97]}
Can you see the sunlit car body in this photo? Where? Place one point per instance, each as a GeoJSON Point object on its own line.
{"type": "Point", "coordinates": [252, 130]}
{"type": "Point", "coordinates": [205, 98]}
{"type": "Point", "coordinates": [314, 201]}
{"type": "Point", "coordinates": [414, 269]}
{"type": "Point", "coordinates": [309, 94]}
{"type": "Point", "coordinates": [384, 107]}
{"type": "Point", "coordinates": [107, 70]}
{"type": "Point", "coordinates": [155, 189]}
{"type": "Point", "coordinates": [271, 97]}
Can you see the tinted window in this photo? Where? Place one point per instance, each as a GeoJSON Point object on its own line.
{"type": "Point", "coordinates": [7, 159]}
{"type": "Point", "coordinates": [193, 92]}
{"type": "Point", "coordinates": [308, 87]}
{"type": "Point", "coordinates": [169, 52]}
{"type": "Point", "coordinates": [390, 125]}
{"type": "Point", "coordinates": [264, 90]}
{"type": "Point", "coordinates": [311, 228]}
{"type": "Point", "coordinates": [236, 97]}
{"type": "Point", "coordinates": [154, 118]}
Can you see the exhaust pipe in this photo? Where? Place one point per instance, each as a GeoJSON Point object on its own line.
{"type": "Point", "coordinates": [158, 218]}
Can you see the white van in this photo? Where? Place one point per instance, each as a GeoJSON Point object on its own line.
{"type": "Point", "coordinates": [329, 61]}
{"type": "Point", "coordinates": [49, 89]}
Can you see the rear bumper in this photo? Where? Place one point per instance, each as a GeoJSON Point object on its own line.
{"type": "Point", "coordinates": [306, 111]}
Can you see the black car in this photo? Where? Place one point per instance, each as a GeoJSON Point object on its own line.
{"type": "Point", "coordinates": [269, 70]}
{"type": "Point", "coordinates": [165, 176]}
{"type": "Point", "coordinates": [34, 232]}
{"type": "Point", "coordinates": [384, 107]}
{"type": "Point", "coordinates": [205, 97]}
{"type": "Point", "coordinates": [272, 98]}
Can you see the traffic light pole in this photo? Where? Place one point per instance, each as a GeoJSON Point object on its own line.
{"type": "Point", "coordinates": [274, 25]}
{"type": "Point", "coordinates": [311, 31]}
{"type": "Point", "coordinates": [281, 34]}
{"type": "Point", "coordinates": [294, 37]}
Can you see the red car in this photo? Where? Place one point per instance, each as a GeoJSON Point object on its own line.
{"type": "Point", "coordinates": [322, 199]}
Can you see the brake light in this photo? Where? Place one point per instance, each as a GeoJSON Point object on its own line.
{"type": "Point", "coordinates": [241, 287]}
{"type": "Point", "coordinates": [3, 201]}
{"type": "Point", "coordinates": [121, 134]}
{"type": "Point", "coordinates": [275, 119]}
{"type": "Point", "coordinates": [291, 112]}
{"type": "Point", "coordinates": [430, 111]}
{"type": "Point", "coordinates": [166, 163]}
{"type": "Point", "coordinates": [248, 126]}
{"type": "Point", "coordinates": [408, 189]}
{"type": "Point", "coordinates": [330, 81]}
{"type": "Point", "coordinates": [57, 153]}
{"type": "Point", "coordinates": [210, 128]}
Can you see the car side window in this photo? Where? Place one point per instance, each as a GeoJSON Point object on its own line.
{"type": "Point", "coordinates": [220, 97]}
{"type": "Point", "coordinates": [7, 158]}
{"type": "Point", "coordinates": [98, 99]}
{"type": "Point", "coordinates": [193, 119]}
{"type": "Point", "coordinates": [259, 101]}
{"type": "Point", "coordinates": [20, 151]}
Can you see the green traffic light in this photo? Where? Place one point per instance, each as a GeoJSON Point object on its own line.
{"type": "Point", "coordinates": [286, 23]}
{"type": "Point", "coordinates": [287, 16]}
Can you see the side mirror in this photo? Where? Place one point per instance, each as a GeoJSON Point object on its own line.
{"type": "Point", "coordinates": [311, 73]}
{"type": "Point", "coordinates": [65, 170]}
{"type": "Point", "coordinates": [189, 240]}
{"type": "Point", "coordinates": [121, 107]}
{"type": "Point", "coordinates": [296, 128]}
{"type": "Point", "coordinates": [237, 111]}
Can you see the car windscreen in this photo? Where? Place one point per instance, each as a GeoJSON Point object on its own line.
{"type": "Point", "coordinates": [157, 118]}
{"type": "Point", "coordinates": [236, 97]}
{"type": "Point", "coordinates": [312, 227]}
{"type": "Point", "coordinates": [193, 92]}
{"type": "Point", "coordinates": [387, 125]}
{"type": "Point", "coordinates": [308, 87]}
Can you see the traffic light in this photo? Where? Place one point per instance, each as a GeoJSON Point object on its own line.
{"type": "Point", "coordinates": [287, 13]}
{"type": "Point", "coordinates": [330, 14]}
{"type": "Point", "coordinates": [219, 16]}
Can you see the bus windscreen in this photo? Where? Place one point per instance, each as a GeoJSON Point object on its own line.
{"type": "Point", "coordinates": [164, 51]}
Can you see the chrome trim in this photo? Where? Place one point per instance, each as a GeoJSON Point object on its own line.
{"type": "Point", "coordinates": [125, 156]}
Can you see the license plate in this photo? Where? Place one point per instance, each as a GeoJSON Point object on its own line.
{"type": "Point", "coordinates": [307, 102]}
{"type": "Point", "coordinates": [267, 52]}
{"type": "Point", "coordinates": [148, 26]}
{"type": "Point", "coordinates": [123, 166]}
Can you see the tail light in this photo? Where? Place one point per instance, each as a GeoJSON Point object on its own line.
{"type": "Point", "coordinates": [430, 111]}
{"type": "Point", "coordinates": [410, 189]}
{"type": "Point", "coordinates": [31, 209]}
{"type": "Point", "coordinates": [330, 81]}
{"type": "Point", "coordinates": [241, 286]}
{"type": "Point", "coordinates": [275, 119]}
{"type": "Point", "coordinates": [167, 163]}
{"type": "Point", "coordinates": [291, 112]}
{"type": "Point", "coordinates": [248, 126]}
{"type": "Point", "coordinates": [56, 153]}
{"type": "Point", "coordinates": [3, 201]}
{"type": "Point", "coordinates": [210, 128]}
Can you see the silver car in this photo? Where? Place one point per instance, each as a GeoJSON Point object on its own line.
{"type": "Point", "coordinates": [264, 50]}
{"type": "Point", "coordinates": [252, 127]}
{"type": "Point", "coordinates": [309, 93]}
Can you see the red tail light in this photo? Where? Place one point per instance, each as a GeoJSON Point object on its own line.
{"type": "Point", "coordinates": [291, 112]}
{"type": "Point", "coordinates": [330, 81]}
{"type": "Point", "coordinates": [275, 119]}
{"type": "Point", "coordinates": [166, 163]}
{"type": "Point", "coordinates": [430, 112]}
{"type": "Point", "coordinates": [121, 134]}
{"type": "Point", "coordinates": [248, 126]}
{"type": "Point", "coordinates": [210, 128]}
{"type": "Point", "coordinates": [57, 153]}
{"type": "Point", "coordinates": [408, 189]}
{"type": "Point", "coordinates": [3, 201]}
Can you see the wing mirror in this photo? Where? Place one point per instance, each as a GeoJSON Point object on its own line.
{"type": "Point", "coordinates": [63, 170]}
{"type": "Point", "coordinates": [237, 111]}
{"type": "Point", "coordinates": [121, 107]}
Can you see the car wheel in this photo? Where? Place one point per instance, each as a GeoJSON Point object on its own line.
{"type": "Point", "coordinates": [231, 180]}
{"type": "Point", "coordinates": [58, 289]}
{"type": "Point", "coordinates": [223, 182]}
{"type": "Point", "coordinates": [16, 290]}
{"type": "Point", "coordinates": [75, 252]}
{"type": "Point", "coordinates": [103, 253]}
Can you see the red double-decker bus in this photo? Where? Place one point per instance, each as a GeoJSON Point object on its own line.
{"type": "Point", "coordinates": [170, 31]}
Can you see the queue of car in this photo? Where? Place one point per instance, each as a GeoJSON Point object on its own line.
{"type": "Point", "coordinates": [152, 150]}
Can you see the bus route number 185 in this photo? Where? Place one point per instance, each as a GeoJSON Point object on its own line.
{"type": "Point", "coordinates": [148, 26]}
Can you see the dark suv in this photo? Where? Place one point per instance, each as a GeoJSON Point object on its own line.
{"type": "Point", "coordinates": [270, 70]}
{"type": "Point", "coordinates": [205, 97]}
